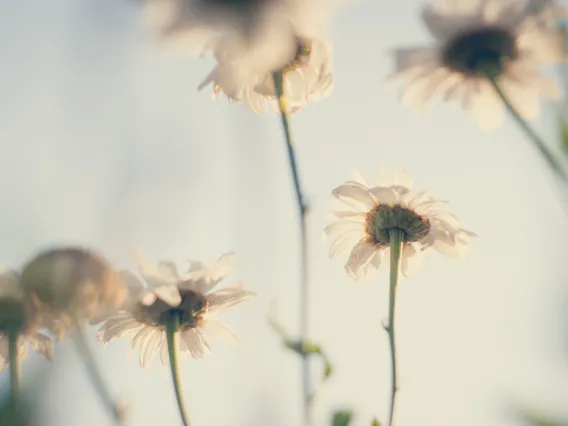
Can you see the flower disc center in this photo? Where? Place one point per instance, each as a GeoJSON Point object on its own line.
{"type": "Point", "coordinates": [302, 55]}
{"type": "Point", "coordinates": [384, 218]}
{"type": "Point", "coordinates": [190, 311]}
{"type": "Point", "coordinates": [480, 51]}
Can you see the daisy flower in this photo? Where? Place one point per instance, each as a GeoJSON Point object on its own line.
{"type": "Point", "coordinates": [477, 40]}
{"type": "Point", "coordinates": [69, 284]}
{"type": "Point", "coordinates": [15, 318]}
{"type": "Point", "coordinates": [186, 21]}
{"type": "Point", "coordinates": [364, 215]}
{"type": "Point", "coordinates": [307, 72]}
{"type": "Point", "coordinates": [192, 297]}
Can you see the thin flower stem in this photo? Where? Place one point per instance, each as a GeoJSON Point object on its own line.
{"type": "Point", "coordinates": [82, 346]}
{"type": "Point", "coordinates": [537, 140]}
{"type": "Point", "coordinates": [15, 367]}
{"type": "Point", "coordinates": [396, 240]}
{"type": "Point", "coordinates": [302, 213]}
{"type": "Point", "coordinates": [172, 336]}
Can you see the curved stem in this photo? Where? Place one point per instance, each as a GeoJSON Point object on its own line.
{"type": "Point", "coordinates": [396, 240]}
{"type": "Point", "coordinates": [302, 212]}
{"type": "Point", "coordinates": [15, 367]}
{"type": "Point", "coordinates": [537, 140]}
{"type": "Point", "coordinates": [94, 374]}
{"type": "Point", "coordinates": [172, 336]}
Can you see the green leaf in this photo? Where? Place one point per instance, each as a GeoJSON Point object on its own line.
{"type": "Point", "coordinates": [376, 422]}
{"type": "Point", "coordinates": [302, 348]}
{"type": "Point", "coordinates": [328, 369]}
{"type": "Point", "coordinates": [342, 418]}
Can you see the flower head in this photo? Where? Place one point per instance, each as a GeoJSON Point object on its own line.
{"type": "Point", "coordinates": [505, 40]}
{"type": "Point", "coordinates": [68, 284]}
{"type": "Point", "coordinates": [191, 296]}
{"type": "Point", "coordinates": [365, 215]}
{"type": "Point", "coordinates": [306, 66]}
{"type": "Point", "coordinates": [188, 20]}
{"type": "Point", "coordinates": [15, 318]}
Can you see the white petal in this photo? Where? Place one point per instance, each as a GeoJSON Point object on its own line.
{"type": "Point", "coordinates": [164, 354]}
{"type": "Point", "coordinates": [354, 194]}
{"type": "Point", "coordinates": [169, 294]}
{"type": "Point", "coordinates": [193, 343]}
{"type": "Point", "coordinates": [360, 178]}
{"type": "Point", "coordinates": [218, 329]}
{"type": "Point", "coordinates": [227, 297]}
{"type": "Point", "coordinates": [148, 298]}
{"type": "Point", "coordinates": [384, 195]}
{"type": "Point", "coordinates": [345, 242]}
{"type": "Point", "coordinates": [448, 247]}
{"type": "Point", "coordinates": [342, 214]}
{"type": "Point", "coordinates": [222, 267]}
{"type": "Point", "coordinates": [343, 227]}
{"type": "Point", "coordinates": [410, 259]}
{"type": "Point", "coordinates": [359, 259]}
{"type": "Point", "coordinates": [164, 273]}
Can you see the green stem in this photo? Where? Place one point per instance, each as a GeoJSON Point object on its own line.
{"type": "Point", "coordinates": [396, 240]}
{"type": "Point", "coordinates": [537, 140]}
{"type": "Point", "coordinates": [15, 367]}
{"type": "Point", "coordinates": [80, 341]}
{"type": "Point", "coordinates": [172, 335]}
{"type": "Point", "coordinates": [302, 212]}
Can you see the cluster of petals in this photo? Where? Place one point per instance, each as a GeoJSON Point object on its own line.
{"type": "Point", "coordinates": [163, 283]}
{"type": "Point", "coordinates": [236, 76]}
{"type": "Point", "coordinates": [520, 35]}
{"type": "Point", "coordinates": [356, 200]}
{"type": "Point", "coordinates": [249, 40]}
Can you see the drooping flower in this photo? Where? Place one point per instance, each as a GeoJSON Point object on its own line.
{"type": "Point", "coordinates": [16, 319]}
{"type": "Point", "coordinates": [193, 297]}
{"type": "Point", "coordinates": [505, 40]}
{"type": "Point", "coordinates": [70, 284]}
{"type": "Point", "coordinates": [307, 74]}
{"type": "Point", "coordinates": [364, 215]}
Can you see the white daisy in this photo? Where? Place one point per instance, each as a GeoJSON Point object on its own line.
{"type": "Point", "coordinates": [505, 39]}
{"type": "Point", "coordinates": [192, 296]}
{"type": "Point", "coordinates": [69, 284]}
{"type": "Point", "coordinates": [186, 21]}
{"type": "Point", "coordinates": [365, 214]}
{"type": "Point", "coordinates": [15, 318]}
{"type": "Point", "coordinates": [307, 69]}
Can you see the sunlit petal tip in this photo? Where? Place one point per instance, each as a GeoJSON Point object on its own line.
{"type": "Point", "coordinates": [148, 298]}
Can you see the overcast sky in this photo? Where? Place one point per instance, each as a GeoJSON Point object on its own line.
{"type": "Point", "coordinates": [107, 142]}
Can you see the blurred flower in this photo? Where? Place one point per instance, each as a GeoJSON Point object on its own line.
{"type": "Point", "coordinates": [189, 19]}
{"type": "Point", "coordinates": [307, 70]}
{"type": "Point", "coordinates": [268, 25]}
{"type": "Point", "coordinates": [365, 214]}
{"type": "Point", "coordinates": [14, 318]}
{"type": "Point", "coordinates": [191, 296]}
{"type": "Point", "coordinates": [65, 285]}
{"type": "Point", "coordinates": [507, 40]}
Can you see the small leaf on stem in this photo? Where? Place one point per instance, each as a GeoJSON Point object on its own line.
{"type": "Point", "coordinates": [342, 418]}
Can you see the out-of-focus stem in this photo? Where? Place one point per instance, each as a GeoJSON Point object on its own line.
{"type": "Point", "coordinates": [302, 213]}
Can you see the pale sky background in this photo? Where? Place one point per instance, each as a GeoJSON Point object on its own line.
{"type": "Point", "coordinates": [107, 142]}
